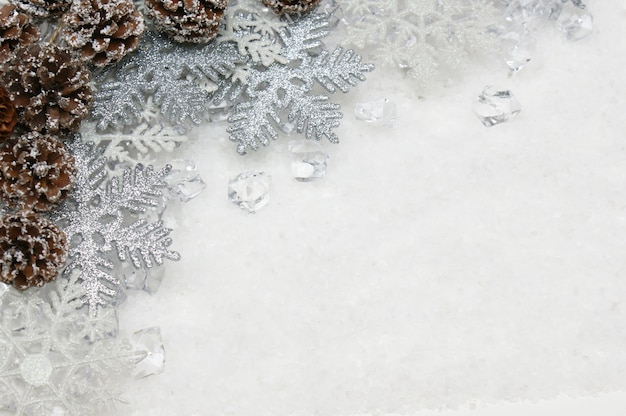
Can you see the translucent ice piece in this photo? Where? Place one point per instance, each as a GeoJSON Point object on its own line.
{"type": "Point", "coordinates": [184, 181]}
{"type": "Point", "coordinates": [308, 160]}
{"type": "Point", "coordinates": [496, 106]}
{"type": "Point", "coordinates": [250, 190]}
{"type": "Point", "coordinates": [3, 289]}
{"type": "Point", "coordinates": [149, 347]}
{"type": "Point", "coordinates": [575, 23]}
{"type": "Point", "coordinates": [147, 279]}
{"type": "Point", "coordinates": [518, 46]}
{"type": "Point", "coordinates": [379, 112]}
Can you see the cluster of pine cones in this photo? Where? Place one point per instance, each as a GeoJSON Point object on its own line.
{"type": "Point", "coordinates": [45, 93]}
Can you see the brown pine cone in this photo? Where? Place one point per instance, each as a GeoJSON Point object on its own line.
{"type": "Point", "coordinates": [16, 31]}
{"type": "Point", "coordinates": [33, 250]}
{"type": "Point", "coordinates": [8, 115]}
{"type": "Point", "coordinates": [291, 6]}
{"type": "Point", "coordinates": [43, 8]}
{"type": "Point", "coordinates": [103, 31]}
{"type": "Point", "coordinates": [36, 172]}
{"type": "Point", "coordinates": [196, 21]}
{"type": "Point", "coordinates": [49, 89]}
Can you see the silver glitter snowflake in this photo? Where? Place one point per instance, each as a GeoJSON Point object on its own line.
{"type": "Point", "coordinates": [54, 359]}
{"type": "Point", "coordinates": [424, 37]}
{"type": "Point", "coordinates": [255, 49]}
{"type": "Point", "coordinates": [284, 93]}
{"type": "Point", "coordinates": [107, 216]}
{"type": "Point", "coordinates": [171, 75]}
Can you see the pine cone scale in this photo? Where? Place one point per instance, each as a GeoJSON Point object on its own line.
{"type": "Point", "coordinates": [33, 250]}
{"type": "Point", "coordinates": [96, 28]}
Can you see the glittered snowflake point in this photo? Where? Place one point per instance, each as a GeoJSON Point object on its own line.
{"type": "Point", "coordinates": [104, 220]}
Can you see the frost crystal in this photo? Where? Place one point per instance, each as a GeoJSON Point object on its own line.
{"type": "Point", "coordinates": [284, 92]}
{"type": "Point", "coordinates": [421, 36]}
{"type": "Point", "coordinates": [105, 216]}
{"type": "Point", "coordinates": [53, 359]}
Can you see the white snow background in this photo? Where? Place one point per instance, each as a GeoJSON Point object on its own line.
{"type": "Point", "coordinates": [440, 263]}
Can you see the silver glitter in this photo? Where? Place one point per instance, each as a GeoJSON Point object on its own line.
{"type": "Point", "coordinates": [285, 91]}
{"type": "Point", "coordinates": [105, 216]}
{"type": "Point", "coordinates": [170, 74]}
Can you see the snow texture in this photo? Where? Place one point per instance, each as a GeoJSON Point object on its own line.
{"type": "Point", "coordinates": [427, 38]}
{"type": "Point", "coordinates": [56, 358]}
{"type": "Point", "coordinates": [438, 263]}
{"type": "Point", "coordinates": [105, 216]}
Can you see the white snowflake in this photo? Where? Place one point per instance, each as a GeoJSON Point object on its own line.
{"type": "Point", "coordinates": [137, 143]}
{"type": "Point", "coordinates": [424, 37]}
{"type": "Point", "coordinates": [56, 357]}
{"type": "Point", "coordinates": [253, 28]}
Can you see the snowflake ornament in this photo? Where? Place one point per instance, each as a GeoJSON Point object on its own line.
{"type": "Point", "coordinates": [254, 50]}
{"type": "Point", "coordinates": [106, 216]}
{"type": "Point", "coordinates": [54, 358]}
{"type": "Point", "coordinates": [424, 37]}
{"type": "Point", "coordinates": [283, 94]}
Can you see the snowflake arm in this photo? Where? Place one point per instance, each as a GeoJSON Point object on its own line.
{"type": "Point", "coordinates": [102, 216]}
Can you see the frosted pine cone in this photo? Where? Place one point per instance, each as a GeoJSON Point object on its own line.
{"type": "Point", "coordinates": [33, 250]}
{"type": "Point", "coordinates": [43, 8]}
{"type": "Point", "coordinates": [291, 6]}
{"type": "Point", "coordinates": [36, 172]}
{"type": "Point", "coordinates": [103, 31]}
{"type": "Point", "coordinates": [16, 31]}
{"type": "Point", "coordinates": [8, 115]}
{"type": "Point", "coordinates": [49, 89]}
{"type": "Point", "coordinates": [194, 21]}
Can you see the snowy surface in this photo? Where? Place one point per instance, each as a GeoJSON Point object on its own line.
{"type": "Point", "coordinates": [439, 264]}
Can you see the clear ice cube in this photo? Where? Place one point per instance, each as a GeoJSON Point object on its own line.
{"type": "Point", "coordinates": [250, 190]}
{"type": "Point", "coordinates": [575, 23]}
{"type": "Point", "coordinates": [184, 181]}
{"type": "Point", "coordinates": [518, 46]}
{"type": "Point", "coordinates": [380, 112]}
{"type": "Point", "coordinates": [308, 160]}
{"type": "Point", "coordinates": [149, 348]}
{"type": "Point", "coordinates": [146, 279]}
{"type": "Point", "coordinates": [495, 106]}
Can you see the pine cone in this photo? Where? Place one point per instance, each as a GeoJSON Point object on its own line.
{"type": "Point", "coordinates": [33, 250]}
{"type": "Point", "coordinates": [8, 115]}
{"type": "Point", "coordinates": [43, 8]}
{"type": "Point", "coordinates": [196, 21]}
{"type": "Point", "coordinates": [291, 6]}
{"type": "Point", "coordinates": [104, 31]}
{"type": "Point", "coordinates": [16, 31]}
{"type": "Point", "coordinates": [50, 90]}
{"type": "Point", "coordinates": [36, 172]}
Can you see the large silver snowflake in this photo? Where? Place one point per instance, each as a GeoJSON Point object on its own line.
{"type": "Point", "coordinates": [284, 93]}
{"type": "Point", "coordinates": [105, 222]}
{"type": "Point", "coordinates": [57, 358]}
{"type": "Point", "coordinates": [254, 49]}
{"type": "Point", "coordinates": [424, 37]}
